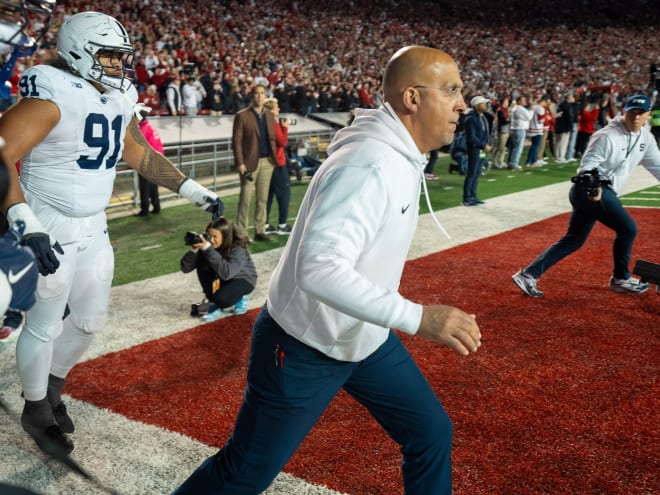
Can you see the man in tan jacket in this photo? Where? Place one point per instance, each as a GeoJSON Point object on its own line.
{"type": "Point", "coordinates": [253, 142]}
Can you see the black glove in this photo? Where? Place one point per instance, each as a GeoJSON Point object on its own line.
{"type": "Point", "coordinates": [39, 243]}
{"type": "Point", "coordinates": [216, 208]}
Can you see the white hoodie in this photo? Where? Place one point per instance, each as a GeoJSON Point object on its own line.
{"type": "Point", "coordinates": [615, 152]}
{"type": "Point", "coordinates": [336, 285]}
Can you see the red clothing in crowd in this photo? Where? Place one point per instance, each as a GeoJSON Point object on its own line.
{"type": "Point", "coordinates": [152, 101]}
{"type": "Point", "coordinates": [587, 120]}
{"type": "Point", "coordinates": [281, 139]}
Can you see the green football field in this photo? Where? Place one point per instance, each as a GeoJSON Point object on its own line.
{"type": "Point", "coordinates": [150, 246]}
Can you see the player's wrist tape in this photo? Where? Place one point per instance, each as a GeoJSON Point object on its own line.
{"type": "Point", "coordinates": [22, 212]}
{"type": "Point", "coordinates": [194, 192]}
{"type": "Point", "coordinates": [204, 198]}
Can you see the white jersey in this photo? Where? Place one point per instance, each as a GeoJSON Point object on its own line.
{"type": "Point", "coordinates": [73, 169]}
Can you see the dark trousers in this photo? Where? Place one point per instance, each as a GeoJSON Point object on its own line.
{"type": "Point", "coordinates": [533, 153]}
{"type": "Point", "coordinates": [229, 293]}
{"type": "Point", "coordinates": [148, 192]}
{"type": "Point", "coordinates": [581, 142]}
{"type": "Point", "coordinates": [472, 175]}
{"type": "Point", "coordinates": [280, 189]}
{"type": "Point", "coordinates": [285, 398]}
{"type": "Point", "coordinates": [610, 212]}
{"type": "Point", "coordinates": [433, 156]}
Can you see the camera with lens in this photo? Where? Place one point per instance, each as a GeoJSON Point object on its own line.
{"type": "Point", "coordinates": [191, 238]}
{"type": "Point", "coordinates": [248, 176]}
{"type": "Point", "coordinates": [290, 122]}
{"type": "Point", "coordinates": [589, 180]}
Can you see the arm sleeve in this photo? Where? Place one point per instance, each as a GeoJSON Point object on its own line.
{"type": "Point", "coordinates": [598, 151]}
{"type": "Point", "coordinates": [188, 261]}
{"type": "Point", "coordinates": [226, 268]}
{"type": "Point", "coordinates": [281, 135]}
{"type": "Point", "coordinates": [237, 140]}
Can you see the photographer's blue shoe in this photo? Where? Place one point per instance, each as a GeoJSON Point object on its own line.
{"type": "Point", "coordinates": [213, 315]}
{"type": "Point", "coordinates": [241, 306]}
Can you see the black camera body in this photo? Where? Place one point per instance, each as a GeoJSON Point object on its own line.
{"type": "Point", "coordinates": [191, 238]}
{"type": "Point", "coordinates": [589, 180]}
{"type": "Point", "coordinates": [290, 122]}
{"type": "Point", "coordinates": [248, 176]}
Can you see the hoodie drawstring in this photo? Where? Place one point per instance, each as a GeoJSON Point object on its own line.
{"type": "Point", "coordinates": [428, 204]}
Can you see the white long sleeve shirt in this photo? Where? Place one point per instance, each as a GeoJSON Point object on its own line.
{"type": "Point", "coordinates": [615, 152]}
{"type": "Point", "coordinates": [336, 285]}
{"type": "Point", "coordinates": [520, 117]}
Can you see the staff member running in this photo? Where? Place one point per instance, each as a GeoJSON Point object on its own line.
{"type": "Point", "coordinates": [614, 152]}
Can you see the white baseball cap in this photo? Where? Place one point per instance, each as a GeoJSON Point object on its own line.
{"type": "Point", "coordinates": [478, 100]}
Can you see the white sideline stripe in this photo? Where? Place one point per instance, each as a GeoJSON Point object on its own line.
{"type": "Point", "coordinates": [142, 459]}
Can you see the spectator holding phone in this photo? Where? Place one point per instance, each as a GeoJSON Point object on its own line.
{"type": "Point", "coordinates": [224, 267]}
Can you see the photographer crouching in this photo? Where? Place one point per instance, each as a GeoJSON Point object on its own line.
{"type": "Point", "coordinates": [224, 267]}
{"type": "Point", "coordinates": [612, 154]}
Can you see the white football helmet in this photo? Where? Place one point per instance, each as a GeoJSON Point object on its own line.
{"type": "Point", "coordinates": [86, 38]}
{"type": "Point", "coordinates": [23, 23]}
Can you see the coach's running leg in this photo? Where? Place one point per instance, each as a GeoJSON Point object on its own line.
{"type": "Point", "coordinates": [272, 420]}
{"type": "Point", "coordinates": [391, 386]}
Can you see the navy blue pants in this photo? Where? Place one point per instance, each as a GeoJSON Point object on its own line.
{"type": "Point", "coordinates": [284, 399]}
{"type": "Point", "coordinates": [280, 189]}
{"type": "Point", "coordinates": [610, 212]}
{"type": "Point", "coordinates": [472, 175]}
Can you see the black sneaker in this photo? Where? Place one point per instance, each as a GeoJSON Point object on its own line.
{"type": "Point", "coordinates": [270, 229]}
{"type": "Point", "coordinates": [63, 419]}
{"type": "Point", "coordinates": [286, 230]}
{"type": "Point", "coordinates": [194, 310]}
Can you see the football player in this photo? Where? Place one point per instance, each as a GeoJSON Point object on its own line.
{"type": "Point", "coordinates": [74, 121]}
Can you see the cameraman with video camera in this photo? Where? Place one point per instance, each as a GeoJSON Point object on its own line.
{"type": "Point", "coordinates": [612, 154]}
{"type": "Point", "coordinates": [224, 267]}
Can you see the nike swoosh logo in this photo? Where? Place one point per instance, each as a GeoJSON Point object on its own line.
{"type": "Point", "coordinates": [15, 277]}
{"type": "Point", "coordinates": [405, 208]}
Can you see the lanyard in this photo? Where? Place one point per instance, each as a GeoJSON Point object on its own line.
{"type": "Point", "coordinates": [629, 148]}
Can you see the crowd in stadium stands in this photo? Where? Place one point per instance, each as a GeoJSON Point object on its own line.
{"type": "Point", "coordinates": [330, 58]}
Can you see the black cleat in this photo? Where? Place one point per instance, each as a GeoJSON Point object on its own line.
{"type": "Point", "coordinates": [51, 440]}
{"type": "Point", "coordinates": [63, 419]}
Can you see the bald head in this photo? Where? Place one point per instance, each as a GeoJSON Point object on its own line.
{"type": "Point", "coordinates": [413, 65]}
{"type": "Point", "coordinates": [423, 86]}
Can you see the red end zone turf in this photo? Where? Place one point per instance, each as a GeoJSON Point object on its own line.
{"type": "Point", "coordinates": [562, 397]}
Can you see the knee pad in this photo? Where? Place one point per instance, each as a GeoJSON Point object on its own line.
{"type": "Point", "coordinates": [90, 325]}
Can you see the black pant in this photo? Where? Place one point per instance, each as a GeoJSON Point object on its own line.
{"type": "Point", "coordinates": [148, 192]}
{"type": "Point", "coordinates": [581, 142]}
{"type": "Point", "coordinates": [230, 291]}
{"type": "Point", "coordinates": [431, 163]}
{"type": "Point", "coordinates": [472, 175]}
{"type": "Point", "coordinates": [610, 212]}
{"type": "Point", "coordinates": [280, 189]}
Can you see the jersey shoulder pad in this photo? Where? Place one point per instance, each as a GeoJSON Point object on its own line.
{"type": "Point", "coordinates": [46, 82]}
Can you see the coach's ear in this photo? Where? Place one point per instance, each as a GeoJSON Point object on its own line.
{"type": "Point", "coordinates": [410, 99]}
